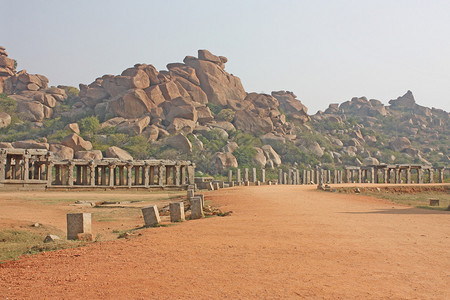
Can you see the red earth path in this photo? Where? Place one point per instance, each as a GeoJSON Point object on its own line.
{"type": "Point", "coordinates": [280, 242]}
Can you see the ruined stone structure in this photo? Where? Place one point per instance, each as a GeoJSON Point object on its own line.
{"type": "Point", "coordinates": [382, 173]}
{"type": "Point", "coordinates": [38, 169]}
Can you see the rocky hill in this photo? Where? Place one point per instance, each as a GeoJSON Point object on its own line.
{"type": "Point", "coordinates": [196, 110]}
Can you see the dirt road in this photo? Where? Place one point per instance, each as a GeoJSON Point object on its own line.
{"type": "Point", "coordinates": [280, 242]}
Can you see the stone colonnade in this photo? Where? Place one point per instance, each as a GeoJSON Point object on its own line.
{"type": "Point", "coordinates": [28, 166]}
{"type": "Point", "coordinates": [364, 174]}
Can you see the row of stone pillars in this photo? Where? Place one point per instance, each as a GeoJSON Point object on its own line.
{"type": "Point", "coordinates": [122, 175]}
{"type": "Point", "coordinates": [255, 177]}
{"type": "Point", "coordinates": [375, 174]}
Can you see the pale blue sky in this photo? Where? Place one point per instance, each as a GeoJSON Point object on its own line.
{"type": "Point", "coordinates": [323, 51]}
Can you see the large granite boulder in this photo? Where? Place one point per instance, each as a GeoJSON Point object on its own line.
{"type": "Point", "coordinates": [61, 152]}
{"type": "Point", "coordinates": [30, 144]}
{"type": "Point", "coordinates": [134, 104]}
{"type": "Point", "coordinates": [219, 86]}
{"type": "Point", "coordinates": [259, 159]}
{"type": "Point", "coordinates": [116, 152]}
{"type": "Point", "coordinates": [181, 125]}
{"type": "Point", "coordinates": [134, 127]}
{"type": "Point", "coordinates": [249, 121]}
{"type": "Point", "coordinates": [271, 155]}
{"type": "Point", "coordinates": [5, 119]}
{"type": "Point", "coordinates": [77, 143]}
{"type": "Point", "coordinates": [400, 143]}
{"type": "Point", "coordinates": [225, 161]}
{"type": "Point", "coordinates": [89, 155]}
{"type": "Point", "coordinates": [179, 142]}
{"type": "Point", "coordinates": [291, 106]}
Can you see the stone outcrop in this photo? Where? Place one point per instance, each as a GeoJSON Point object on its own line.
{"type": "Point", "coordinates": [89, 155]}
{"type": "Point", "coordinates": [116, 152]}
{"type": "Point", "coordinates": [400, 143]}
{"type": "Point", "coordinates": [179, 142]}
{"type": "Point", "coordinates": [5, 119]}
{"type": "Point", "coordinates": [77, 143]}
{"type": "Point", "coordinates": [225, 161]}
{"type": "Point", "coordinates": [292, 107]}
{"type": "Point", "coordinates": [35, 100]}
{"type": "Point", "coordinates": [30, 144]}
{"type": "Point", "coordinates": [61, 152]}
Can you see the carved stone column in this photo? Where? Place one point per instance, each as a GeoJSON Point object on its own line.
{"type": "Point", "coordinates": [92, 173]}
{"type": "Point", "coordinates": [70, 173]}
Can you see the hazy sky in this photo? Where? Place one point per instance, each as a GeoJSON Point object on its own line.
{"type": "Point", "coordinates": [323, 51]}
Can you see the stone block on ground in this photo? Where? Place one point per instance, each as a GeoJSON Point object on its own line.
{"type": "Point", "coordinates": [78, 223]}
{"type": "Point", "coordinates": [201, 197]}
{"type": "Point", "coordinates": [51, 238]}
{"type": "Point", "coordinates": [434, 202]}
{"type": "Point", "coordinates": [176, 212]}
{"type": "Point", "coordinates": [151, 215]}
{"type": "Point", "coordinates": [196, 208]}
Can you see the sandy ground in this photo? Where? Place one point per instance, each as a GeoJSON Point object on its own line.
{"type": "Point", "coordinates": [280, 242]}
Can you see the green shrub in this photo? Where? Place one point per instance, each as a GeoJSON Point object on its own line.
{"type": "Point", "coordinates": [244, 155]}
{"type": "Point", "coordinates": [89, 125]}
{"type": "Point", "coordinates": [225, 115]}
{"type": "Point", "coordinates": [214, 108]}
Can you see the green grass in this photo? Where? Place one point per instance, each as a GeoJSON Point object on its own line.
{"type": "Point", "coordinates": [17, 242]}
{"type": "Point", "coordinates": [420, 200]}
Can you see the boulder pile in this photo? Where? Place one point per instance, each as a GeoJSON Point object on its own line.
{"type": "Point", "coordinates": [35, 100]}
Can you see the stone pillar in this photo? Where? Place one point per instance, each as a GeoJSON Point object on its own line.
{"type": "Point", "coordinates": [431, 173]}
{"type": "Point", "coordinates": [420, 175]}
{"type": "Point", "coordinates": [92, 172]}
{"type": "Point", "coordinates": [2, 167]}
{"type": "Point", "coordinates": [196, 208]}
{"type": "Point", "coordinates": [161, 175]}
{"type": "Point", "coordinates": [397, 175]}
{"type": "Point", "coordinates": [182, 175]}
{"type": "Point", "coordinates": [246, 174]}
{"type": "Point", "coordinates": [238, 176]}
{"type": "Point", "coordinates": [441, 175]}
{"type": "Point", "coordinates": [191, 174]}
{"type": "Point", "coordinates": [151, 215]}
{"type": "Point", "coordinates": [372, 174]}
{"type": "Point", "coordinates": [26, 172]}
{"type": "Point", "coordinates": [230, 176]}
{"type": "Point", "coordinates": [177, 175]}
{"type": "Point", "coordinates": [129, 175]}
{"type": "Point", "coordinates": [285, 178]}
{"type": "Point", "coordinates": [176, 212]}
{"type": "Point", "coordinates": [84, 177]}
{"type": "Point", "coordinates": [78, 223]}
{"type": "Point", "coordinates": [254, 178]}
{"type": "Point", "coordinates": [70, 174]}
{"type": "Point", "coordinates": [137, 179]}
{"type": "Point", "coordinates": [359, 175]}
{"type": "Point", "coordinates": [308, 176]}
{"type": "Point", "coordinates": [280, 176]}
{"type": "Point", "coordinates": [318, 172]}
{"type": "Point", "coordinates": [103, 182]}
{"type": "Point", "coordinates": [49, 173]}
{"type": "Point", "coordinates": [290, 175]}
{"type": "Point", "coordinates": [408, 175]}
{"type": "Point", "coordinates": [263, 175]}
{"type": "Point", "coordinates": [78, 171]}
{"type": "Point", "coordinates": [147, 177]}
{"type": "Point", "coordinates": [304, 177]}
{"type": "Point", "coordinates": [112, 177]}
